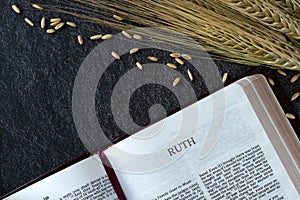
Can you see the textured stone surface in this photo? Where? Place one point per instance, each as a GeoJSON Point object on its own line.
{"type": "Point", "coordinates": [36, 81]}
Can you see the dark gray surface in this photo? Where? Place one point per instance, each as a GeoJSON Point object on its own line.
{"type": "Point", "coordinates": [37, 76]}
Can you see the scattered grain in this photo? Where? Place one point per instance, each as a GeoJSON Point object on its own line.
{"type": "Point", "coordinates": [153, 58]}
{"type": "Point", "coordinates": [115, 55]}
{"type": "Point", "coordinates": [186, 56]}
{"type": "Point", "coordinates": [55, 20]}
{"type": "Point", "coordinates": [134, 50]}
{"type": "Point", "coordinates": [281, 72]}
{"type": "Point", "coordinates": [225, 77]}
{"type": "Point", "coordinates": [59, 26]}
{"type": "Point", "coordinates": [175, 55]}
{"type": "Point", "coordinates": [290, 116]}
{"type": "Point", "coordinates": [139, 65]}
{"type": "Point", "coordinates": [118, 18]}
{"type": "Point", "coordinates": [50, 31]}
{"type": "Point", "coordinates": [43, 22]}
{"type": "Point", "coordinates": [138, 37]}
{"type": "Point", "coordinates": [16, 9]}
{"type": "Point", "coordinates": [271, 81]}
{"type": "Point", "coordinates": [295, 96]}
{"type": "Point", "coordinates": [176, 81]}
{"type": "Point", "coordinates": [126, 34]}
{"type": "Point", "coordinates": [179, 61]}
{"type": "Point", "coordinates": [36, 6]}
{"type": "Point", "coordinates": [106, 37]}
{"type": "Point", "coordinates": [54, 23]}
{"type": "Point", "coordinates": [80, 39]}
{"type": "Point", "coordinates": [28, 21]}
{"type": "Point", "coordinates": [171, 65]}
{"type": "Point", "coordinates": [190, 75]}
{"type": "Point", "coordinates": [96, 37]}
{"type": "Point", "coordinates": [295, 78]}
{"type": "Point", "coordinates": [71, 24]}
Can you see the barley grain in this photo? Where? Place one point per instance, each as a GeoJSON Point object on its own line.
{"type": "Point", "coordinates": [16, 9]}
{"type": "Point", "coordinates": [152, 58]}
{"type": "Point", "coordinates": [281, 72]}
{"type": "Point", "coordinates": [190, 75]}
{"type": "Point", "coordinates": [176, 81]}
{"type": "Point", "coordinates": [50, 31]}
{"type": "Point", "coordinates": [139, 65]}
{"type": "Point", "coordinates": [71, 24]}
{"type": "Point", "coordinates": [225, 77]}
{"type": "Point", "coordinates": [117, 17]}
{"type": "Point", "coordinates": [36, 6]}
{"type": "Point", "coordinates": [106, 37]}
{"type": "Point", "coordinates": [290, 116]}
{"type": "Point", "coordinates": [55, 20]}
{"type": "Point", "coordinates": [171, 65]}
{"type": "Point", "coordinates": [138, 37]}
{"type": "Point", "coordinates": [295, 78]}
{"type": "Point", "coordinates": [28, 21]}
{"type": "Point", "coordinates": [295, 96]}
{"type": "Point", "coordinates": [186, 56]}
{"type": "Point", "coordinates": [54, 23]}
{"type": "Point", "coordinates": [126, 34]}
{"type": "Point", "coordinates": [59, 26]}
{"type": "Point", "coordinates": [271, 81]}
{"type": "Point", "coordinates": [175, 55]}
{"type": "Point", "coordinates": [96, 37]}
{"type": "Point", "coordinates": [43, 22]}
{"type": "Point", "coordinates": [134, 50]}
{"type": "Point", "coordinates": [179, 61]}
{"type": "Point", "coordinates": [80, 39]}
{"type": "Point", "coordinates": [115, 55]}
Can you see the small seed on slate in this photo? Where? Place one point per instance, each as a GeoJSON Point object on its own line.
{"type": "Point", "coordinates": [190, 75]}
{"type": "Point", "coordinates": [54, 23]}
{"type": "Point", "coordinates": [106, 37]}
{"type": "Point", "coordinates": [138, 37]}
{"type": "Point", "coordinates": [71, 24]}
{"type": "Point", "coordinates": [225, 76]}
{"type": "Point", "coordinates": [50, 31]}
{"type": "Point", "coordinates": [36, 6]}
{"type": "Point", "coordinates": [139, 65]}
{"type": "Point", "coordinates": [176, 81]}
{"type": "Point", "coordinates": [295, 78]}
{"type": "Point", "coordinates": [186, 56]}
{"type": "Point", "coordinates": [96, 37]}
{"type": "Point", "coordinates": [175, 55]}
{"type": "Point", "coordinates": [290, 116]}
{"type": "Point", "coordinates": [16, 9]}
{"type": "Point", "coordinates": [134, 50]}
{"type": "Point", "coordinates": [271, 81]}
{"type": "Point", "coordinates": [179, 61]}
{"type": "Point", "coordinates": [126, 34]}
{"type": "Point", "coordinates": [115, 55]}
{"type": "Point", "coordinates": [80, 39]}
{"type": "Point", "coordinates": [43, 22]}
{"type": "Point", "coordinates": [171, 65]}
{"type": "Point", "coordinates": [28, 21]}
{"type": "Point", "coordinates": [295, 96]}
{"type": "Point", "coordinates": [55, 20]}
{"type": "Point", "coordinates": [118, 18]}
{"type": "Point", "coordinates": [153, 58]}
{"type": "Point", "coordinates": [281, 72]}
{"type": "Point", "coordinates": [59, 26]}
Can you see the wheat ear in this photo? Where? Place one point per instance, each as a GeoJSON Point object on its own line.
{"type": "Point", "coordinates": [290, 6]}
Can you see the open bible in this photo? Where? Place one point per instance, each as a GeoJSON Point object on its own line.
{"type": "Point", "coordinates": [234, 144]}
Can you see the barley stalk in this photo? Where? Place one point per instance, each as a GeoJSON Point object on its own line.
{"type": "Point", "coordinates": [234, 38]}
{"type": "Point", "coordinates": [290, 6]}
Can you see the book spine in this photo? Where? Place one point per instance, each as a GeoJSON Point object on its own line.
{"type": "Point", "coordinates": [112, 176]}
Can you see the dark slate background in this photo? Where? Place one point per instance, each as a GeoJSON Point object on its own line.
{"type": "Point", "coordinates": [37, 76]}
